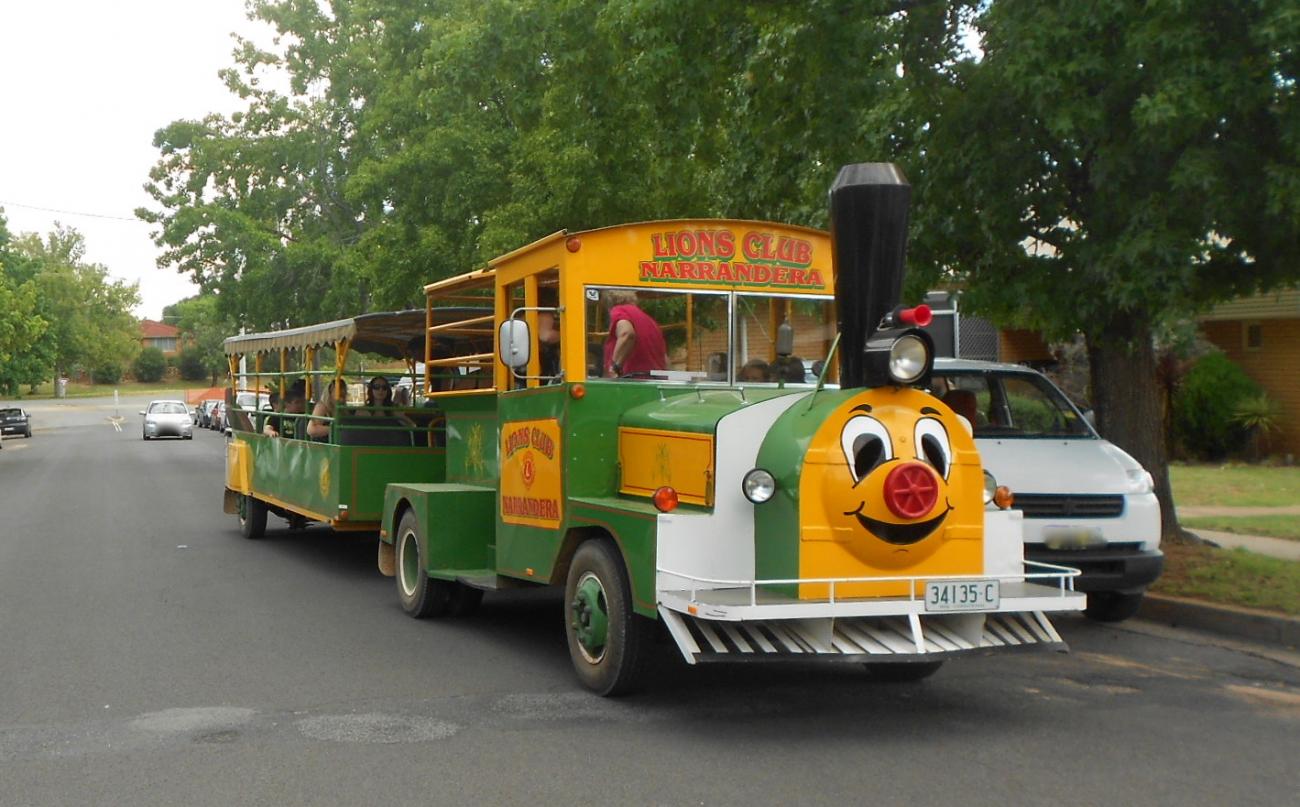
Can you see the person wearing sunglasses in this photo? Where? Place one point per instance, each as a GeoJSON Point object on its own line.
{"type": "Point", "coordinates": [379, 401]}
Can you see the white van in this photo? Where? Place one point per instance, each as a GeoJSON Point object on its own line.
{"type": "Point", "coordinates": [1086, 503]}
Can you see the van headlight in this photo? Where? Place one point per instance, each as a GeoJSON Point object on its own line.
{"type": "Point", "coordinates": [1139, 480]}
{"type": "Point", "coordinates": [990, 486]}
{"type": "Point", "coordinates": [758, 485]}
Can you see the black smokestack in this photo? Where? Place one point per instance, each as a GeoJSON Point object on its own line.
{"type": "Point", "coordinates": [869, 203]}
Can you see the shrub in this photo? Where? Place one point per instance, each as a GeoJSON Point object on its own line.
{"type": "Point", "coordinates": [149, 365]}
{"type": "Point", "coordinates": [109, 372]}
{"type": "Point", "coordinates": [191, 366]}
{"type": "Point", "coordinates": [1205, 417]}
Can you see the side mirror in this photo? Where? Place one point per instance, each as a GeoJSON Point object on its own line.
{"type": "Point", "coordinates": [142, 411]}
{"type": "Point", "coordinates": [513, 343]}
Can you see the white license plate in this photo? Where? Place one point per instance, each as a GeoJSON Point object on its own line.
{"type": "Point", "coordinates": [1072, 538]}
{"type": "Point", "coordinates": [962, 595]}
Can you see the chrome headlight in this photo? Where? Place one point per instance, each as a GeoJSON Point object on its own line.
{"type": "Point", "coordinates": [898, 356]}
{"type": "Point", "coordinates": [908, 359]}
{"type": "Point", "coordinates": [990, 486]}
{"type": "Point", "coordinates": [758, 485]}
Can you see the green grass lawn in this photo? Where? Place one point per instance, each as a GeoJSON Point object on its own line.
{"type": "Point", "coordinates": [1235, 485]}
{"type": "Point", "coordinates": [1273, 526]}
{"type": "Point", "coordinates": [1233, 577]}
{"type": "Point", "coordinates": [158, 389]}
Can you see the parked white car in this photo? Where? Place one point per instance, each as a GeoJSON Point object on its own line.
{"type": "Point", "coordinates": [1086, 503]}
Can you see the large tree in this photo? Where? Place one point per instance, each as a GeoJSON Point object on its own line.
{"type": "Point", "coordinates": [88, 314]}
{"type": "Point", "coordinates": [1109, 168]}
{"type": "Point", "coordinates": [22, 357]}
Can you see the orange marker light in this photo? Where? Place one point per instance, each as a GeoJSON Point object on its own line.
{"type": "Point", "coordinates": [1003, 497]}
{"type": "Point", "coordinates": [573, 243]}
{"type": "Point", "coordinates": [665, 499]}
{"type": "Point", "coordinates": [578, 391]}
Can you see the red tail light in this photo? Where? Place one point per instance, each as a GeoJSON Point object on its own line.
{"type": "Point", "coordinates": [665, 499]}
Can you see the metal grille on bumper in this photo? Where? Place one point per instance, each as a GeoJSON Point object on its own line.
{"type": "Point", "coordinates": [1068, 505]}
{"type": "Point", "coordinates": [858, 639]}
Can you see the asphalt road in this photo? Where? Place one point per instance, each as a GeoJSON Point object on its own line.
{"type": "Point", "coordinates": [149, 655]}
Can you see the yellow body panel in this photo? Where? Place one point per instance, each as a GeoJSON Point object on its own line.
{"type": "Point", "coordinates": [846, 528]}
{"type": "Point", "coordinates": [651, 459]}
{"type": "Point", "coordinates": [532, 490]}
{"type": "Point", "coordinates": [239, 467]}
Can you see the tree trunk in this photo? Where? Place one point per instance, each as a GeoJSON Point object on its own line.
{"type": "Point", "coordinates": [1129, 405]}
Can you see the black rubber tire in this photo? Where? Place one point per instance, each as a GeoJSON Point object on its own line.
{"type": "Point", "coordinates": [1112, 606]}
{"type": "Point", "coordinates": [619, 666]}
{"type": "Point", "coordinates": [902, 672]}
{"type": "Point", "coordinates": [421, 596]}
{"type": "Point", "coordinates": [252, 519]}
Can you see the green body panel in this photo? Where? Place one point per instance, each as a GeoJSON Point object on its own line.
{"type": "Point", "coordinates": [698, 410]}
{"type": "Point", "coordinates": [471, 438]}
{"type": "Point", "coordinates": [455, 522]}
{"type": "Point", "coordinates": [633, 525]}
{"type": "Point", "coordinates": [475, 537]}
{"type": "Point", "coordinates": [318, 478]}
{"type": "Point", "coordinates": [776, 554]}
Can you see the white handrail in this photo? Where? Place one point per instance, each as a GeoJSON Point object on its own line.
{"type": "Point", "coordinates": [1062, 573]}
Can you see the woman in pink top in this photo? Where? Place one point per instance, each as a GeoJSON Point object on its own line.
{"type": "Point", "coordinates": [635, 344]}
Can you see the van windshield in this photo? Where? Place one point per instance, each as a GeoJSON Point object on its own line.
{"type": "Point", "coordinates": [1009, 404]}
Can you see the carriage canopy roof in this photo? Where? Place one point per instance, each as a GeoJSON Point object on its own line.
{"type": "Point", "coordinates": [395, 334]}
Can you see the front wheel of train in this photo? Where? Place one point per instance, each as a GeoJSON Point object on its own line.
{"type": "Point", "coordinates": [607, 639]}
{"type": "Point", "coordinates": [421, 596]}
{"type": "Point", "coordinates": [252, 517]}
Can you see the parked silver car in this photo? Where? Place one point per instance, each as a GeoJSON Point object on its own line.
{"type": "Point", "coordinates": [168, 418]}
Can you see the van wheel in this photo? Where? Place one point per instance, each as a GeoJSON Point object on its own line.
{"type": "Point", "coordinates": [1112, 606]}
{"type": "Point", "coordinates": [902, 672]}
{"type": "Point", "coordinates": [252, 517]}
{"type": "Point", "coordinates": [420, 595]}
{"type": "Point", "coordinates": [607, 640]}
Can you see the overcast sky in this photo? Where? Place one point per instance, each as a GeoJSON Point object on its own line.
{"type": "Point", "coordinates": [84, 84]}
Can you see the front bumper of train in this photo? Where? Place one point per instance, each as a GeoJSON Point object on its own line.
{"type": "Point", "coordinates": [746, 620]}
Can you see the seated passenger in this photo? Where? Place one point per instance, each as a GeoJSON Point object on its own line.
{"type": "Point", "coordinates": [379, 401]}
{"type": "Point", "coordinates": [962, 401]}
{"type": "Point", "coordinates": [755, 371]}
{"type": "Point", "coordinates": [789, 369]}
{"type": "Point", "coordinates": [318, 428]}
{"type": "Point", "coordinates": [295, 403]}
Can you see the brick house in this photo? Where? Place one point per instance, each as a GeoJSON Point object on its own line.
{"type": "Point", "coordinates": [1261, 334]}
{"type": "Point", "coordinates": [166, 338]}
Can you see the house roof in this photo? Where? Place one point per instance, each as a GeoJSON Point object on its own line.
{"type": "Point", "coordinates": [1279, 304]}
{"type": "Point", "coordinates": [158, 330]}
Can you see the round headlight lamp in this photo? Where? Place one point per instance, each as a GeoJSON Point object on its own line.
{"type": "Point", "coordinates": [908, 359]}
{"type": "Point", "coordinates": [758, 485]}
{"type": "Point", "coordinates": [990, 487]}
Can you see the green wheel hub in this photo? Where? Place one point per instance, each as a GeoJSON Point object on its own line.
{"type": "Point", "coordinates": [590, 618]}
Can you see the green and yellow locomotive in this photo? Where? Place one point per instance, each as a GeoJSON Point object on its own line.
{"type": "Point", "coordinates": [719, 425]}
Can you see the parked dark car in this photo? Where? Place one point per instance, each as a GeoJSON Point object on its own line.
{"type": "Point", "coordinates": [204, 412]}
{"type": "Point", "coordinates": [15, 421]}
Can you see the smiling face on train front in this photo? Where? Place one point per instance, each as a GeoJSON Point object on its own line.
{"type": "Point", "coordinates": [891, 486]}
